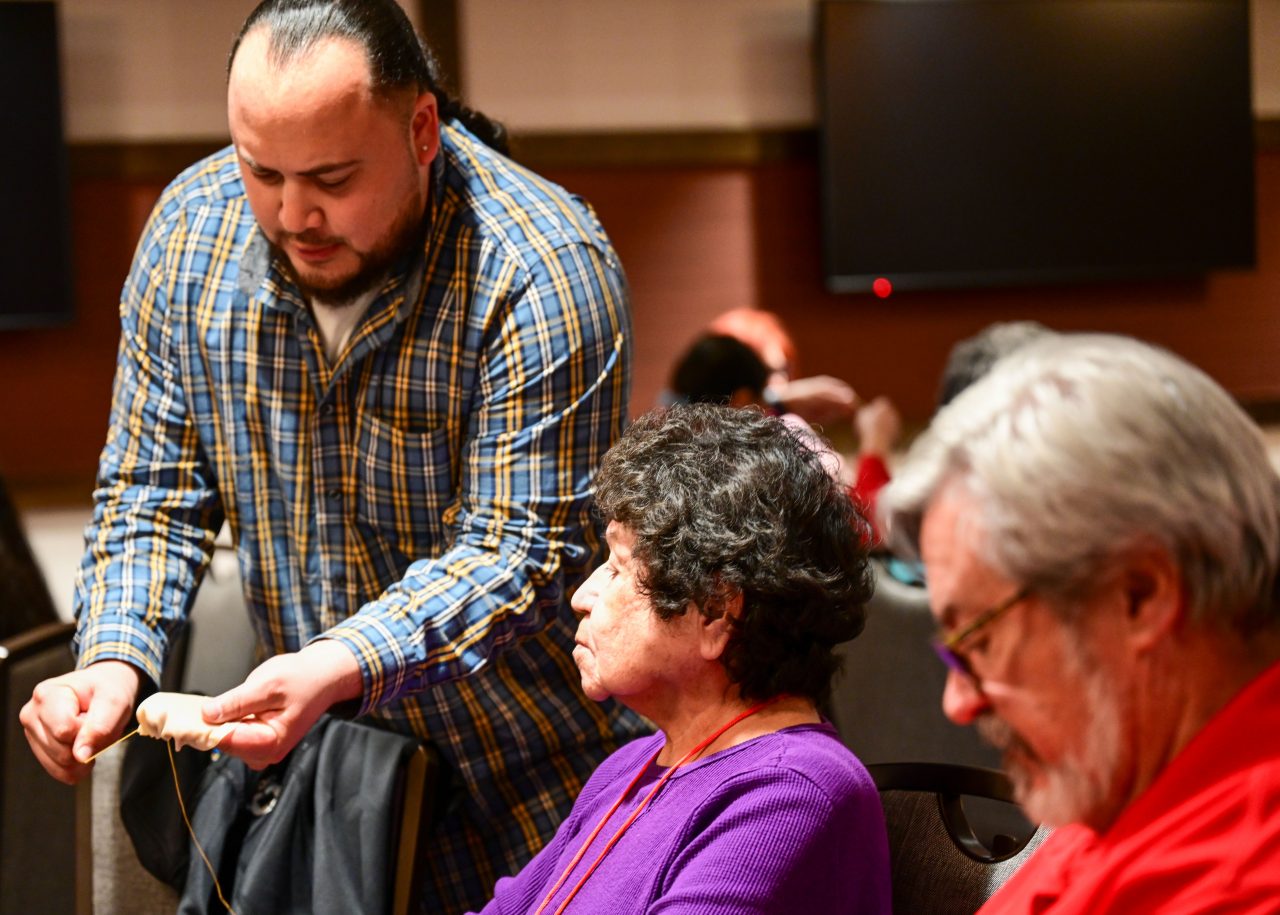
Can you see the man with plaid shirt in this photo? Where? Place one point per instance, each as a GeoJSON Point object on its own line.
{"type": "Point", "coordinates": [390, 359]}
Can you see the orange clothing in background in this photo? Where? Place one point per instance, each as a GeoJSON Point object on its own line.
{"type": "Point", "coordinates": [871, 474]}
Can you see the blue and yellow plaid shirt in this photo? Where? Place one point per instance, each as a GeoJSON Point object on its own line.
{"type": "Point", "coordinates": [425, 499]}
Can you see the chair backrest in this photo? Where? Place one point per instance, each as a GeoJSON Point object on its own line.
{"type": "Point", "coordinates": [938, 861]}
{"type": "Point", "coordinates": [118, 883]}
{"type": "Point", "coordinates": [887, 701]}
{"type": "Point", "coordinates": [38, 837]}
{"type": "Point", "coordinates": [25, 602]}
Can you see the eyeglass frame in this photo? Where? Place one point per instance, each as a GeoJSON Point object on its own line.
{"type": "Point", "coordinates": [945, 646]}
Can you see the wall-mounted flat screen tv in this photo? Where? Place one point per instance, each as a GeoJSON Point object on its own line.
{"type": "Point", "coordinates": [972, 143]}
{"type": "Point", "coordinates": [35, 261]}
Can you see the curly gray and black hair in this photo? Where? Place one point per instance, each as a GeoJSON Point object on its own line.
{"type": "Point", "coordinates": [725, 501]}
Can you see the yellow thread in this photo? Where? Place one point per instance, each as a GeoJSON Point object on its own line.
{"type": "Point", "coordinates": [109, 746]}
{"type": "Point", "coordinates": [183, 807]}
{"type": "Point", "coordinates": [177, 788]}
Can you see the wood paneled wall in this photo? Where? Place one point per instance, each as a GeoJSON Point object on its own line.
{"type": "Point", "coordinates": [695, 240]}
{"type": "Point", "coordinates": [698, 240]}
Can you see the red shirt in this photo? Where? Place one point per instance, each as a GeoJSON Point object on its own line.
{"type": "Point", "coordinates": [1204, 838]}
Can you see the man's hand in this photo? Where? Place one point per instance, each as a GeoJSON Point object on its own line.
{"type": "Point", "coordinates": [72, 717]}
{"type": "Point", "coordinates": [286, 695]}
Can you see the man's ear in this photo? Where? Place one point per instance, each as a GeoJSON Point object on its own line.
{"type": "Point", "coordinates": [424, 126]}
{"type": "Point", "coordinates": [1154, 601]}
{"type": "Point", "coordinates": [715, 627]}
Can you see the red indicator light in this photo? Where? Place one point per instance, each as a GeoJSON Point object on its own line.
{"type": "Point", "coordinates": [882, 287]}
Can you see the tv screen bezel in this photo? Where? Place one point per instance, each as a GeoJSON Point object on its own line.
{"type": "Point", "coordinates": [845, 272]}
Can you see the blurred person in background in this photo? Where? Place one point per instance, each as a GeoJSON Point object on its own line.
{"type": "Point", "coordinates": [817, 399]}
{"type": "Point", "coordinates": [879, 424]}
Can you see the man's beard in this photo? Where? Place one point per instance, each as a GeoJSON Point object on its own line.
{"type": "Point", "coordinates": [1080, 787]}
{"type": "Point", "coordinates": [404, 235]}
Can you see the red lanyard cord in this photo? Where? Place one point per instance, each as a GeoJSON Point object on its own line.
{"type": "Point", "coordinates": [692, 754]}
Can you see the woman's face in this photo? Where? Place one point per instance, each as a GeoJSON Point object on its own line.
{"type": "Point", "coordinates": [624, 649]}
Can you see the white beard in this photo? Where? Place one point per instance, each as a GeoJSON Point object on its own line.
{"type": "Point", "coordinates": [1079, 787]}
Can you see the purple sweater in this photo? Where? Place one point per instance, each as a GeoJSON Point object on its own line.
{"type": "Point", "coordinates": [787, 822]}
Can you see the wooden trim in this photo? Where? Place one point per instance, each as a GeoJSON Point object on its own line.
{"type": "Point", "coordinates": [137, 160]}
{"type": "Point", "coordinates": [143, 160]}
{"type": "Point", "coordinates": [1266, 133]}
{"type": "Point", "coordinates": [160, 161]}
{"type": "Point", "coordinates": [1263, 412]}
{"type": "Point", "coordinates": [441, 29]}
{"type": "Point", "coordinates": [664, 148]}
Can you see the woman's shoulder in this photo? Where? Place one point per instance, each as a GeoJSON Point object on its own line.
{"type": "Point", "coordinates": [799, 786]}
{"type": "Point", "coordinates": [808, 759]}
{"type": "Point", "coordinates": [816, 753]}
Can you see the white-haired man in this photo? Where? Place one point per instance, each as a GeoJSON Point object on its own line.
{"type": "Point", "coordinates": [1101, 531]}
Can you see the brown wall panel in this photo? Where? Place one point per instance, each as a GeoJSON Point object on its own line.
{"type": "Point", "coordinates": [695, 240]}
{"type": "Point", "coordinates": [57, 382]}
{"type": "Point", "coordinates": [671, 226]}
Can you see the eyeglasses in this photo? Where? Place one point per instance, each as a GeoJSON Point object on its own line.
{"type": "Point", "coordinates": [947, 646]}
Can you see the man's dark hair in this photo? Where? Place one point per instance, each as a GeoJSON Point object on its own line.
{"type": "Point", "coordinates": [974, 356]}
{"type": "Point", "coordinates": [715, 367]}
{"type": "Point", "coordinates": [398, 58]}
{"type": "Point", "coordinates": [725, 501]}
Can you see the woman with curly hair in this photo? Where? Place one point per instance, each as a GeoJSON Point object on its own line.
{"type": "Point", "coordinates": [735, 567]}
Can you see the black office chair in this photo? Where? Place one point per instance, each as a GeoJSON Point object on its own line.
{"type": "Point", "coordinates": [939, 862]}
{"type": "Point", "coordinates": [886, 702]}
{"type": "Point", "coordinates": [25, 602]}
{"type": "Point", "coordinates": [38, 822]}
